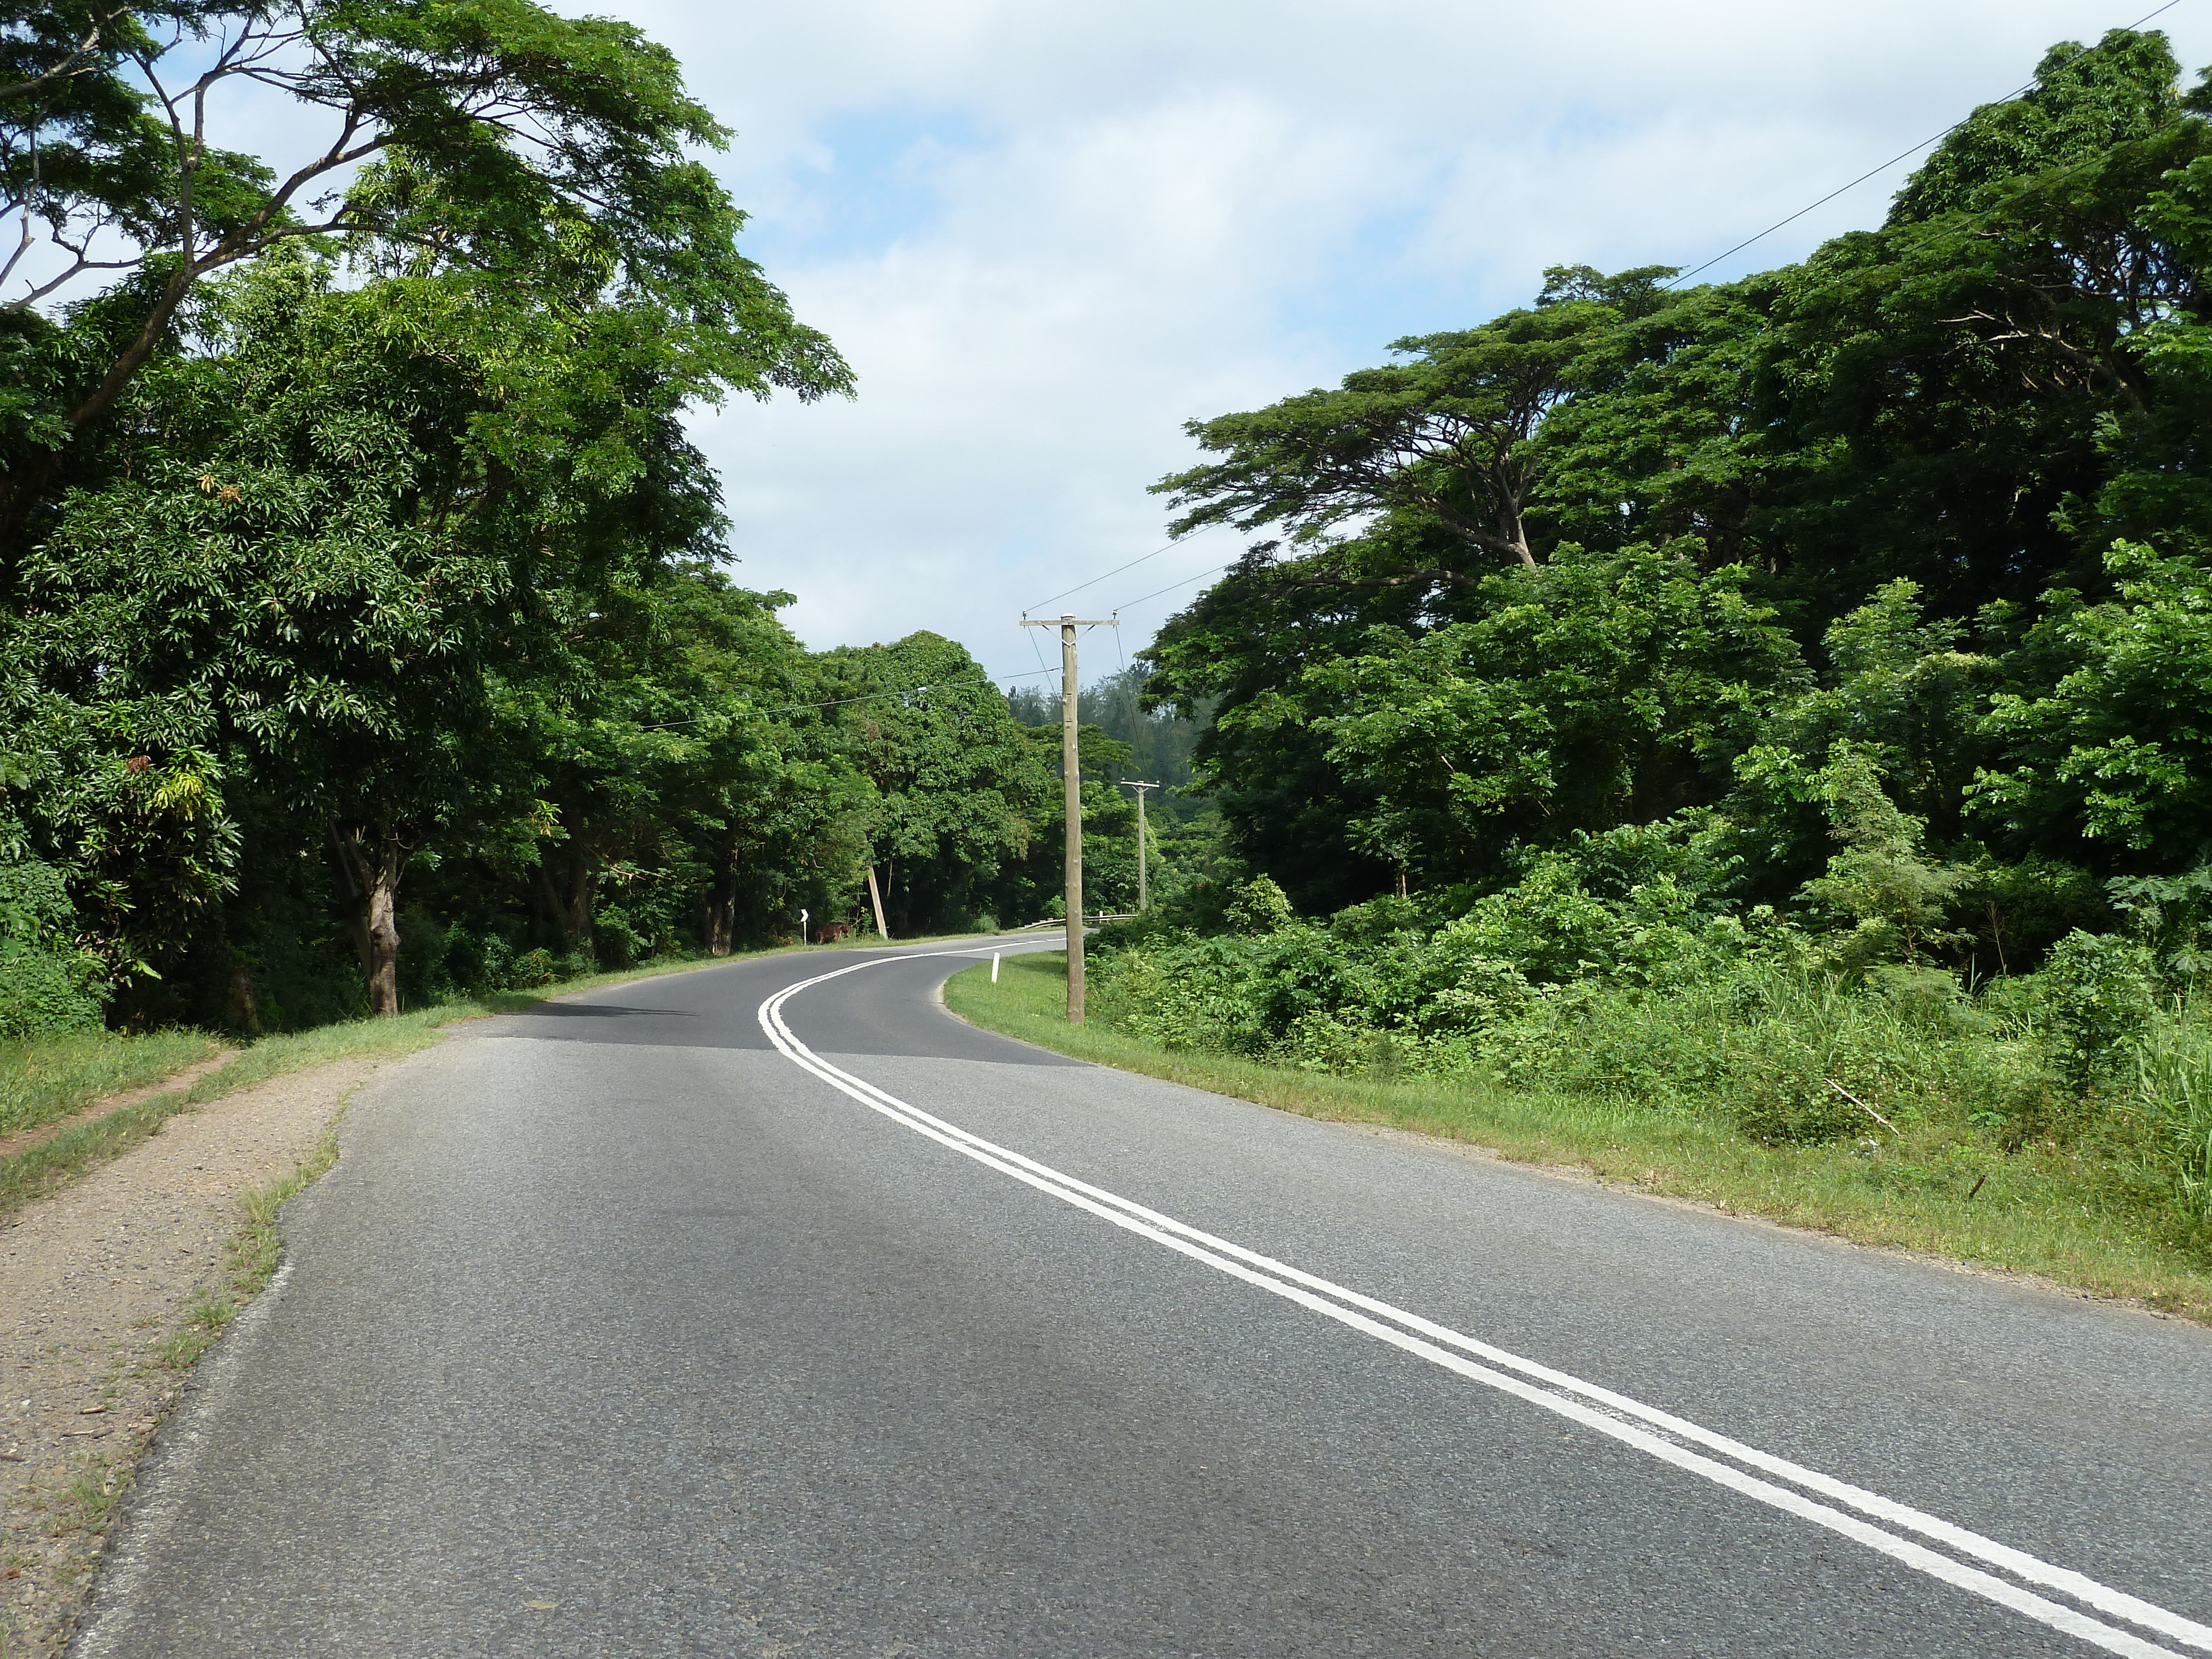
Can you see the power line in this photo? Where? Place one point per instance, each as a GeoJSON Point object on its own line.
{"type": "Point", "coordinates": [1131, 605]}
{"type": "Point", "coordinates": [2017, 92]}
{"type": "Point", "coordinates": [1132, 565]}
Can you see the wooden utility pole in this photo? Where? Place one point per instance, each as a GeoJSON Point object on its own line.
{"type": "Point", "coordinates": [1070, 770]}
{"type": "Point", "coordinates": [875, 899]}
{"type": "Point", "coordinates": [1144, 890]}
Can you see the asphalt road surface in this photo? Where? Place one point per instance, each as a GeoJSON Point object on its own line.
{"type": "Point", "coordinates": [690, 1317]}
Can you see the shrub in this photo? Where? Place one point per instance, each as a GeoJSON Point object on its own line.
{"type": "Point", "coordinates": [2101, 998]}
{"type": "Point", "coordinates": [533, 969]}
{"type": "Point", "coordinates": [47, 994]}
{"type": "Point", "coordinates": [1260, 907]}
{"type": "Point", "coordinates": [615, 940]}
{"type": "Point", "coordinates": [1786, 1100]}
{"type": "Point", "coordinates": [48, 986]}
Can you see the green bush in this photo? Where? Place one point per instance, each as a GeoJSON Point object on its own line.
{"type": "Point", "coordinates": [48, 986]}
{"type": "Point", "coordinates": [615, 939]}
{"type": "Point", "coordinates": [1260, 907]}
{"type": "Point", "coordinates": [1784, 1100]}
{"type": "Point", "coordinates": [47, 994]}
{"type": "Point", "coordinates": [2101, 999]}
{"type": "Point", "coordinates": [535, 968]}
{"type": "Point", "coordinates": [1644, 995]}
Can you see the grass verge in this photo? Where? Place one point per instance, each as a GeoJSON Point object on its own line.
{"type": "Point", "coordinates": [2036, 1211]}
{"type": "Point", "coordinates": [43, 1079]}
{"type": "Point", "coordinates": [40, 1170]}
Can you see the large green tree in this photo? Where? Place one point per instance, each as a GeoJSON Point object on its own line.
{"type": "Point", "coordinates": [961, 792]}
{"type": "Point", "coordinates": [492, 135]}
{"type": "Point", "coordinates": [348, 512]}
{"type": "Point", "coordinates": [1446, 437]}
{"type": "Point", "coordinates": [1934, 430]}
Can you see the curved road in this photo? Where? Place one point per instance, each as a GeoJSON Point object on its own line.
{"type": "Point", "coordinates": [708, 1315]}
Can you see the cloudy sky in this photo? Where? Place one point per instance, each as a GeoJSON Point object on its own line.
{"type": "Point", "coordinates": [1046, 235]}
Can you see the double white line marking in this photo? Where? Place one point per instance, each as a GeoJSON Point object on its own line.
{"type": "Point", "coordinates": [1848, 1510]}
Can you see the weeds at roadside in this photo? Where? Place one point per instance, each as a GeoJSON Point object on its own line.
{"type": "Point", "coordinates": [46, 1169]}
{"type": "Point", "coordinates": [2041, 1206]}
{"type": "Point", "coordinates": [48, 1077]}
{"type": "Point", "coordinates": [254, 1256]}
{"type": "Point", "coordinates": [90, 1496]}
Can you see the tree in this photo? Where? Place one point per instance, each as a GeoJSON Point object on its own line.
{"type": "Point", "coordinates": [1917, 432]}
{"type": "Point", "coordinates": [1446, 439]}
{"type": "Point", "coordinates": [2081, 103]}
{"type": "Point", "coordinates": [350, 514]}
{"type": "Point", "coordinates": [1595, 691]}
{"type": "Point", "coordinates": [2112, 757]}
{"type": "Point", "coordinates": [679, 762]}
{"type": "Point", "coordinates": [961, 793]}
{"type": "Point", "coordinates": [495, 134]}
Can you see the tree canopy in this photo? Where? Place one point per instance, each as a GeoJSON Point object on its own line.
{"type": "Point", "coordinates": [366, 632]}
{"type": "Point", "coordinates": [1926, 508]}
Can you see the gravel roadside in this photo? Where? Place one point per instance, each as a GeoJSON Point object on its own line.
{"type": "Point", "coordinates": [95, 1283]}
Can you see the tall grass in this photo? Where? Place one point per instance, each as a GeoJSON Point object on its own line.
{"type": "Point", "coordinates": [43, 1079]}
{"type": "Point", "coordinates": [2172, 1090]}
{"type": "Point", "coordinates": [2087, 1207]}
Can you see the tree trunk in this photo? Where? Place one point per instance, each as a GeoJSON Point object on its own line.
{"type": "Point", "coordinates": [242, 1013]}
{"type": "Point", "coordinates": [721, 913]}
{"type": "Point", "coordinates": [583, 893]}
{"type": "Point", "coordinates": [383, 963]}
{"type": "Point", "coordinates": [567, 894]}
{"type": "Point", "coordinates": [372, 859]}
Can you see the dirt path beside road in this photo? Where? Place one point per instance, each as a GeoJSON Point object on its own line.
{"type": "Point", "coordinates": [97, 1285]}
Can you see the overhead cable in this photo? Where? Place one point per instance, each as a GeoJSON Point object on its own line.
{"type": "Point", "coordinates": [1119, 568]}
{"type": "Point", "coordinates": [1129, 604]}
{"type": "Point", "coordinates": [1840, 189]}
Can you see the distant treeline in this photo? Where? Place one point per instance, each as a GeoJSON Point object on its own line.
{"type": "Point", "coordinates": [1160, 740]}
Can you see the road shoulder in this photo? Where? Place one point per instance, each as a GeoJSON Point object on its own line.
{"type": "Point", "coordinates": [109, 1290]}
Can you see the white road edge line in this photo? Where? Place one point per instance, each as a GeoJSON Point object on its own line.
{"type": "Point", "coordinates": [1605, 1411]}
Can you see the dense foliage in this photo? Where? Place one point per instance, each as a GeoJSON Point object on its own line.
{"type": "Point", "coordinates": [1767, 693]}
{"type": "Point", "coordinates": [1930, 499]}
{"type": "Point", "coordinates": [365, 634]}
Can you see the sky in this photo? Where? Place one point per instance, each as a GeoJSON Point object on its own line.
{"type": "Point", "coordinates": [1047, 235]}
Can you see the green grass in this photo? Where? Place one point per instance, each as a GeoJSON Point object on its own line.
{"type": "Point", "coordinates": [2041, 1210]}
{"type": "Point", "coordinates": [81, 1147]}
{"type": "Point", "coordinates": [44, 1079]}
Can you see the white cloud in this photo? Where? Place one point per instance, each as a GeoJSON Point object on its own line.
{"type": "Point", "coordinates": [1047, 235]}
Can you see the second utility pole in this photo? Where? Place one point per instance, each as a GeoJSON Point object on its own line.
{"type": "Point", "coordinates": [1143, 892]}
{"type": "Point", "coordinates": [1070, 770]}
